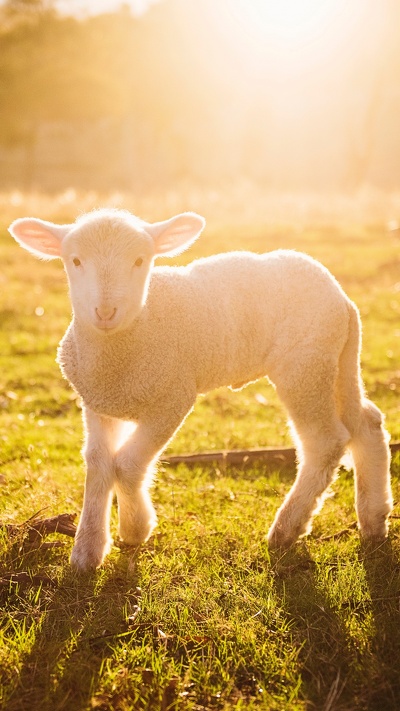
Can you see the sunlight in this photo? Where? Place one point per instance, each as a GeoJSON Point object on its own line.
{"type": "Point", "coordinates": [289, 18]}
{"type": "Point", "coordinates": [294, 24]}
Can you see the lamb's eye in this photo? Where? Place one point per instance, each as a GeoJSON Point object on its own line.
{"type": "Point", "coordinates": [139, 262]}
{"type": "Point", "coordinates": [76, 261]}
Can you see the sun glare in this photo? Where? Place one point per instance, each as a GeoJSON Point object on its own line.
{"type": "Point", "coordinates": [285, 18]}
{"type": "Point", "coordinates": [289, 17]}
{"type": "Point", "coordinates": [291, 22]}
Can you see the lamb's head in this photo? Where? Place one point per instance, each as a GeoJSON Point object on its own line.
{"type": "Point", "coordinates": [108, 256]}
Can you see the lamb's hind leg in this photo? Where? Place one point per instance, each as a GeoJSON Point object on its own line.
{"type": "Point", "coordinates": [371, 455]}
{"type": "Point", "coordinates": [321, 442]}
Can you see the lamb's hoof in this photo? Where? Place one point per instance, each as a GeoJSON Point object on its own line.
{"type": "Point", "coordinates": [136, 533]}
{"type": "Point", "coordinates": [124, 546]}
{"type": "Point", "coordinates": [85, 559]}
{"type": "Point", "coordinates": [132, 539]}
{"type": "Point", "coordinates": [371, 543]}
{"type": "Point", "coordinates": [375, 532]}
{"type": "Point", "coordinates": [278, 541]}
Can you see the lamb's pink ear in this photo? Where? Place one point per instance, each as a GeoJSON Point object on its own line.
{"type": "Point", "coordinates": [41, 238]}
{"type": "Point", "coordinates": [175, 235]}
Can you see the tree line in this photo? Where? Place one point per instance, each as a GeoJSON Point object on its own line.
{"type": "Point", "coordinates": [209, 101]}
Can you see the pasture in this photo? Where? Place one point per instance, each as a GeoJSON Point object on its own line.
{"type": "Point", "coordinates": [202, 617]}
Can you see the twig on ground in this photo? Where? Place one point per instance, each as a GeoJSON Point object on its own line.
{"type": "Point", "coordinates": [37, 528]}
{"type": "Point", "coordinates": [240, 457]}
{"type": "Point", "coordinates": [46, 546]}
{"type": "Point", "coordinates": [25, 578]}
{"type": "Point", "coordinates": [29, 535]}
{"type": "Point", "coordinates": [339, 534]}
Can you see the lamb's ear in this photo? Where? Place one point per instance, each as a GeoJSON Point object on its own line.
{"type": "Point", "coordinates": [41, 238]}
{"type": "Point", "coordinates": [175, 235]}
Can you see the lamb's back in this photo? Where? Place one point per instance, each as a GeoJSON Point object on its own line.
{"type": "Point", "coordinates": [240, 311]}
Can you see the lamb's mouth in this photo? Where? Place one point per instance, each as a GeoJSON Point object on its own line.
{"type": "Point", "coordinates": [106, 319]}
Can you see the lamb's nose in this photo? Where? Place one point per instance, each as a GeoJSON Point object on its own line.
{"type": "Point", "coordinates": [106, 314]}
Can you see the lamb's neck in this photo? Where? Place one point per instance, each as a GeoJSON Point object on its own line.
{"type": "Point", "coordinates": [89, 339]}
{"type": "Point", "coordinates": [100, 367]}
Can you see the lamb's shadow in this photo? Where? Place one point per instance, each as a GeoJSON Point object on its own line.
{"type": "Point", "coordinates": [64, 663]}
{"type": "Point", "coordinates": [382, 569]}
{"type": "Point", "coordinates": [317, 630]}
{"type": "Point", "coordinates": [332, 663]}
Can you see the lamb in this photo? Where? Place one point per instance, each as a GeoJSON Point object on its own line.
{"type": "Point", "coordinates": [144, 341]}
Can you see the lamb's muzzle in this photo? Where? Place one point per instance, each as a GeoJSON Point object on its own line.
{"type": "Point", "coordinates": [105, 317]}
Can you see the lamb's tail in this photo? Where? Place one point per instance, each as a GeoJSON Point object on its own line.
{"type": "Point", "coordinates": [369, 444]}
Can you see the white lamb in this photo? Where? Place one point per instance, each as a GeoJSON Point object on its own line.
{"type": "Point", "coordinates": [145, 340]}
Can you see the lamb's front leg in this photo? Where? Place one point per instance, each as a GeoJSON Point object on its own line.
{"type": "Point", "coordinates": [93, 540]}
{"type": "Point", "coordinates": [134, 472]}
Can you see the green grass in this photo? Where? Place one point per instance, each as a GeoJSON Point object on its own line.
{"type": "Point", "coordinates": [202, 617]}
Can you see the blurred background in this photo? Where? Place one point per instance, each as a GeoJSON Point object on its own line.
{"type": "Point", "coordinates": [261, 99]}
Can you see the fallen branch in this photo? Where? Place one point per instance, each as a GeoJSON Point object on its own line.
{"type": "Point", "coordinates": [47, 546]}
{"type": "Point", "coordinates": [339, 534]}
{"type": "Point", "coordinates": [36, 528]}
{"type": "Point", "coordinates": [241, 457]}
{"type": "Point", "coordinates": [25, 579]}
{"type": "Point", "coordinates": [29, 535]}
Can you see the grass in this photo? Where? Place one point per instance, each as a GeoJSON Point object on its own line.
{"type": "Point", "coordinates": [202, 617]}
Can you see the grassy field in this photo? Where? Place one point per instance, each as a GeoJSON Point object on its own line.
{"type": "Point", "coordinates": [202, 617]}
